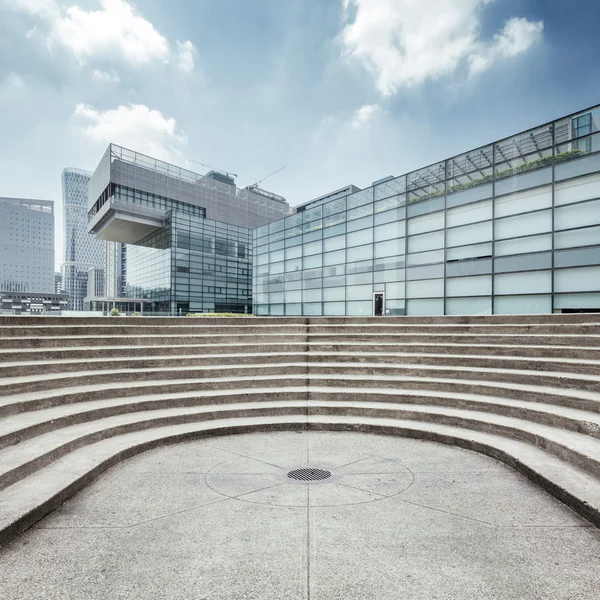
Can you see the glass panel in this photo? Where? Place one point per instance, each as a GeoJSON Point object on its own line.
{"type": "Point", "coordinates": [358, 213]}
{"type": "Point", "coordinates": [390, 188]}
{"type": "Point", "coordinates": [524, 245]}
{"type": "Point", "coordinates": [578, 237]}
{"type": "Point", "coordinates": [586, 188]}
{"type": "Point", "coordinates": [390, 231]}
{"type": "Point", "coordinates": [425, 258]}
{"type": "Point", "coordinates": [471, 213]}
{"type": "Point", "coordinates": [359, 309]}
{"type": "Point", "coordinates": [359, 292]}
{"type": "Point", "coordinates": [469, 267]}
{"type": "Point", "coordinates": [312, 309]}
{"type": "Point", "coordinates": [359, 278]}
{"type": "Point", "coordinates": [335, 258]}
{"type": "Point", "coordinates": [334, 231]}
{"type": "Point", "coordinates": [334, 219]}
{"type": "Point", "coordinates": [469, 286]}
{"type": "Point", "coordinates": [425, 289]}
{"type": "Point", "coordinates": [524, 262]}
{"type": "Point", "coordinates": [294, 252]}
{"type": "Point", "coordinates": [579, 257]}
{"type": "Point", "coordinates": [334, 294]}
{"type": "Point", "coordinates": [397, 214]}
{"type": "Point", "coordinates": [427, 272]}
{"type": "Point", "coordinates": [429, 182]}
{"type": "Point", "coordinates": [389, 203]}
{"type": "Point", "coordinates": [357, 238]}
{"type": "Point", "coordinates": [530, 282]}
{"type": "Point", "coordinates": [360, 198]}
{"type": "Point", "coordinates": [517, 183]}
{"type": "Point", "coordinates": [314, 295]}
{"type": "Point", "coordinates": [425, 307]}
{"type": "Point", "coordinates": [582, 166]}
{"type": "Point", "coordinates": [471, 169]}
{"type": "Point", "coordinates": [427, 241]}
{"type": "Point", "coordinates": [334, 206]}
{"type": "Point", "coordinates": [583, 279]}
{"type": "Point", "coordinates": [389, 248]}
{"type": "Point", "coordinates": [539, 222]}
{"type": "Point", "coordinates": [396, 290]}
{"type": "Point", "coordinates": [276, 256]}
{"type": "Point", "coordinates": [577, 215]}
{"type": "Point", "coordinates": [359, 224]}
{"type": "Point", "coordinates": [313, 248]}
{"type": "Point", "coordinates": [523, 202]}
{"type": "Point", "coordinates": [577, 301]}
{"type": "Point", "coordinates": [475, 251]}
{"type": "Point", "coordinates": [292, 296]}
{"type": "Point", "coordinates": [469, 234]}
{"type": "Point", "coordinates": [311, 214]}
{"type": "Point", "coordinates": [334, 309]}
{"type": "Point", "coordinates": [293, 309]}
{"type": "Point", "coordinates": [469, 306]}
{"type": "Point", "coordinates": [425, 223]}
{"type": "Point", "coordinates": [359, 253]}
{"type": "Point", "coordinates": [295, 264]}
{"type": "Point", "coordinates": [522, 305]}
{"type": "Point", "coordinates": [312, 262]}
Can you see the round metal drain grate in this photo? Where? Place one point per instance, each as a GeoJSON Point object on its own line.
{"type": "Point", "coordinates": [308, 474]}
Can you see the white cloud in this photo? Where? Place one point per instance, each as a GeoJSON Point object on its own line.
{"type": "Point", "coordinates": [12, 84]}
{"type": "Point", "coordinates": [186, 53]}
{"type": "Point", "coordinates": [365, 115]}
{"type": "Point", "coordinates": [403, 43]}
{"type": "Point", "coordinates": [134, 126]}
{"type": "Point", "coordinates": [115, 32]}
{"type": "Point", "coordinates": [517, 36]}
{"type": "Point", "coordinates": [106, 77]}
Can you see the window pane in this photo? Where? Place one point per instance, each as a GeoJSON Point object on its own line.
{"type": "Point", "coordinates": [578, 237]}
{"type": "Point", "coordinates": [357, 238]}
{"type": "Point", "coordinates": [469, 286]}
{"type": "Point", "coordinates": [469, 306]}
{"type": "Point", "coordinates": [359, 309]}
{"type": "Point", "coordinates": [390, 231]}
{"type": "Point", "coordinates": [523, 202]}
{"type": "Point", "coordinates": [471, 213]}
{"type": "Point", "coordinates": [586, 188]}
{"type": "Point", "coordinates": [427, 241]}
{"type": "Point", "coordinates": [425, 307]}
{"type": "Point", "coordinates": [425, 289]}
{"type": "Point", "coordinates": [359, 253]}
{"type": "Point", "coordinates": [425, 223]}
{"type": "Point", "coordinates": [531, 282]}
{"type": "Point", "coordinates": [313, 248]}
{"type": "Point", "coordinates": [522, 305]}
{"type": "Point", "coordinates": [334, 258]}
{"type": "Point", "coordinates": [524, 245]}
{"type": "Point", "coordinates": [469, 234]}
{"type": "Point", "coordinates": [578, 215]}
{"type": "Point", "coordinates": [523, 225]}
{"type": "Point", "coordinates": [584, 279]}
{"type": "Point", "coordinates": [389, 248]}
{"type": "Point", "coordinates": [334, 294]}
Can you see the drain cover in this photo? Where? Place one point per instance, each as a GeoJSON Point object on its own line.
{"type": "Point", "coordinates": [308, 474]}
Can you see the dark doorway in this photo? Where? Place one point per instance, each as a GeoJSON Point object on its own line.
{"type": "Point", "coordinates": [378, 305]}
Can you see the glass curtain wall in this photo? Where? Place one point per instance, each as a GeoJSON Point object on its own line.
{"type": "Point", "coordinates": [512, 227]}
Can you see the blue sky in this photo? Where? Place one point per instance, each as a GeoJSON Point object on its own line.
{"type": "Point", "coordinates": [338, 91]}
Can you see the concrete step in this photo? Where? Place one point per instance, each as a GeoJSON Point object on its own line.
{"type": "Point", "coordinates": [32, 401]}
{"type": "Point", "coordinates": [34, 367]}
{"type": "Point", "coordinates": [557, 379]}
{"type": "Point", "coordinates": [18, 428]}
{"type": "Point", "coordinates": [23, 459]}
{"type": "Point", "coordinates": [409, 349]}
{"type": "Point", "coordinates": [515, 340]}
{"type": "Point", "coordinates": [29, 500]}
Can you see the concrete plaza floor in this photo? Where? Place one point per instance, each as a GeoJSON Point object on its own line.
{"type": "Point", "coordinates": [218, 520]}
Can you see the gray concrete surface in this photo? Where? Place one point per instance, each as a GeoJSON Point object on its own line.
{"type": "Point", "coordinates": [215, 520]}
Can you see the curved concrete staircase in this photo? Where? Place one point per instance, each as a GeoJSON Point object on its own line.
{"type": "Point", "coordinates": [79, 395]}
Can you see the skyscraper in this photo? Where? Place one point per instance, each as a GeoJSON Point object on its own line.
{"type": "Point", "coordinates": [26, 245]}
{"type": "Point", "coordinates": [82, 250]}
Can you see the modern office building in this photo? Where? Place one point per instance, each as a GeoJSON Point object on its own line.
{"type": "Point", "coordinates": [26, 245]}
{"type": "Point", "coordinates": [18, 303]}
{"type": "Point", "coordinates": [188, 236]}
{"type": "Point", "coordinates": [511, 227]}
{"type": "Point", "coordinates": [57, 282]}
{"type": "Point", "coordinates": [82, 251]}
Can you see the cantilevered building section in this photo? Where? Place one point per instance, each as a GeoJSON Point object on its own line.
{"type": "Point", "coordinates": [188, 236]}
{"type": "Point", "coordinates": [511, 227]}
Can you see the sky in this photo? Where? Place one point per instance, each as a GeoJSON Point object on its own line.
{"type": "Point", "coordinates": [335, 91]}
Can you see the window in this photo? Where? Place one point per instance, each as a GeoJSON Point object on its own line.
{"type": "Point", "coordinates": [582, 125]}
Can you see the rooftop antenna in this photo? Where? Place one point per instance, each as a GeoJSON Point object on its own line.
{"type": "Point", "coordinates": [255, 185]}
{"type": "Point", "coordinates": [213, 168]}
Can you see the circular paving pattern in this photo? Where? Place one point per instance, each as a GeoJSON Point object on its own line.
{"type": "Point", "coordinates": [336, 481]}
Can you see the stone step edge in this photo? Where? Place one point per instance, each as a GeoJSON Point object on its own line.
{"type": "Point", "coordinates": [30, 500]}
{"type": "Point", "coordinates": [21, 427]}
{"type": "Point", "coordinates": [31, 401]}
{"type": "Point", "coordinates": [5, 365]}
{"type": "Point", "coordinates": [106, 373]}
{"type": "Point", "coordinates": [21, 460]}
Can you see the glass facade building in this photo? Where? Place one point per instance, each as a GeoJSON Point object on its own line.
{"type": "Point", "coordinates": [82, 251]}
{"type": "Point", "coordinates": [26, 246]}
{"type": "Point", "coordinates": [510, 227]}
{"type": "Point", "coordinates": [188, 236]}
